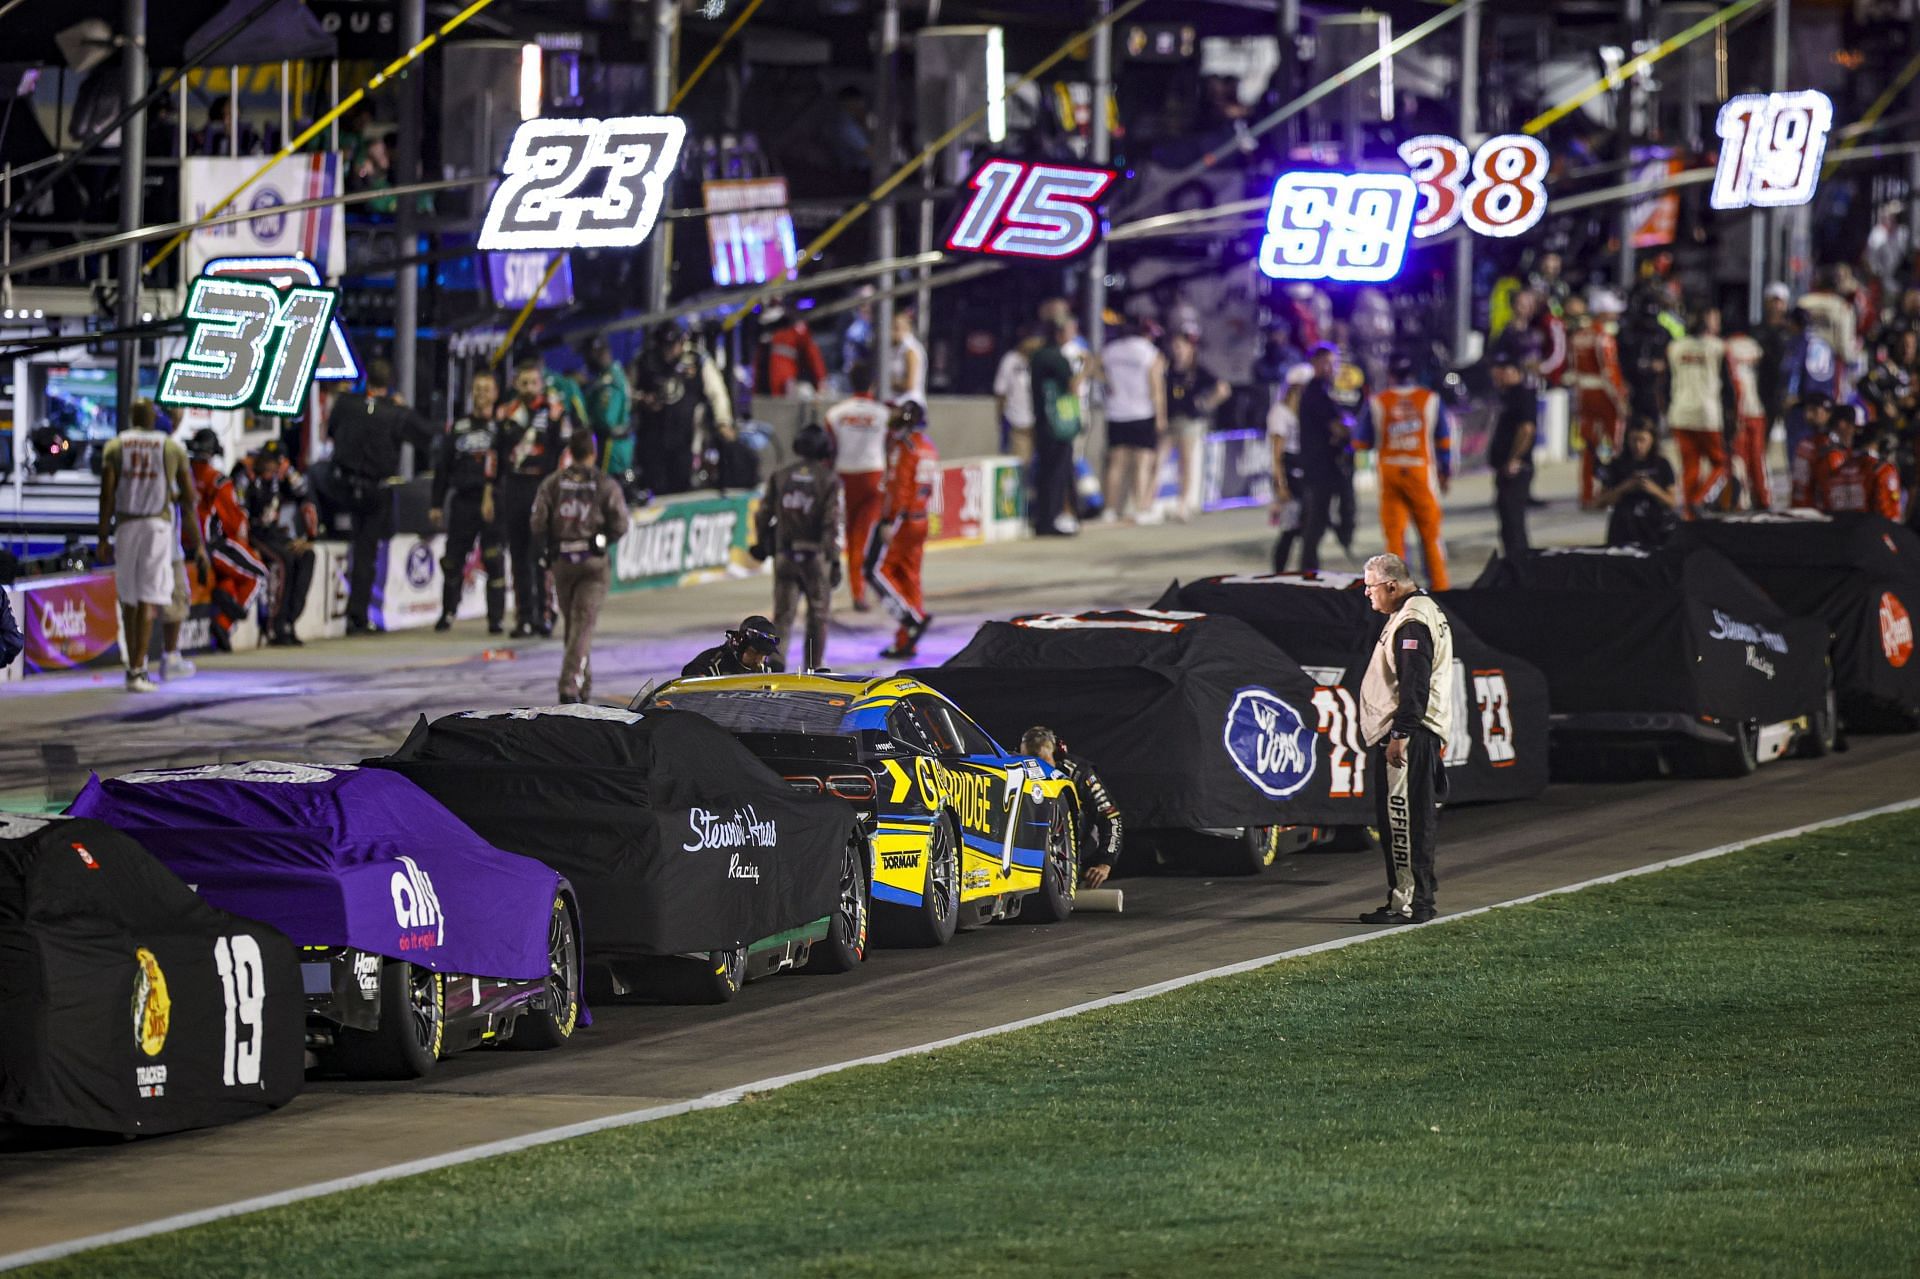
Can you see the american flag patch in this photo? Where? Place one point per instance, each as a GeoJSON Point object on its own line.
{"type": "Point", "coordinates": [1410, 643]}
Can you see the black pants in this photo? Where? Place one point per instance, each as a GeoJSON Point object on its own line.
{"type": "Point", "coordinates": [1510, 494]}
{"type": "Point", "coordinates": [1345, 505]}
{"type": "Point", "coordinates": [1408, 802]}
{"type": "Point", "coordinates": [1316, 507]}
{"type": "Point", "coordinates": [292, 578]}
{"type": "Point", "coordinates": [1052, 479]}
{"type": "Point", "coordinates": [371, 507]}
{"type": "Point", "coordinates": [666, 459]}
{"type": "Point", "coordinates": [1296, 489]}
{"type": "Point", "coordinates": [463, 526]}
{"type": "Point", "coordinates": [516, 525]}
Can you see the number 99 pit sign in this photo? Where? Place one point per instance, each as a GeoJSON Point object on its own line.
{"type": "Point", "coordinates": [547, 197]}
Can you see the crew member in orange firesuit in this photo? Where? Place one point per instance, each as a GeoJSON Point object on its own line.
{"type": "Point", "coordinates": [1850, 478]}
{"type": "Point", "coordinates": [913, 468]}
{"type": "Point", "coordinates": [1415, 451]}
{"type": "Point", "coordinates": [1816, 450]}
{"type": "Point", "coordinates": [237, 571]}
{"type": "Point", "coordinates": [1599, 392]}
{"type": "Point", "coordinates": [791, 354]}
{"type": "Point", "coordinates": [858, 427]}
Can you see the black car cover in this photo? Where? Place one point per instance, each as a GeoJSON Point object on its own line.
{"type": "Point", "coordinates": [675, 838]}
{"type": "Point", "coordinates": [1858, 573]}
{"type": "Point", "coordinates": [1323, 621]}
{"type": "Point", "coordinates": [127, 1004]}
{"type": "Point", "coordinates": [1195, 721]}
{"type": "Point", "coordinates": [1627, 628]}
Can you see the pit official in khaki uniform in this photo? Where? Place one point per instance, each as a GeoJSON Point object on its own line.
{"type": "Point", "coordinates": [1406, 710]}
{"type": "Point", "coordinates": [578, 515]}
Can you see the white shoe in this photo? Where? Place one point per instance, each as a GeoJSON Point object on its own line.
{"type": "Point", "coordinates": [137, 682]}
{"type": "Point", "coordinates": [175, 666]}
{"type": "Point", "coordinates": [1067, 524]}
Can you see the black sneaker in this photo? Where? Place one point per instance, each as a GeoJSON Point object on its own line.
{"type": "Point", "coordinates": [496, 628]}
{"type": "Point", "coordinates": [898, 653]}
{"type": "Point", "coordinates": [1386, 916]}
{"type": "Point", "coordinates": [544, 630]}
{"type": "Point", "coordinates": [917, 629]}
{"type": "Point", "coordinates": [222, 640]}
{"type": "Point", "coordinates": [1422, 914]}
{"type": "Point", "coordinates": [523, 630]}
{"type": "Point", "coordinates": [445, 623]}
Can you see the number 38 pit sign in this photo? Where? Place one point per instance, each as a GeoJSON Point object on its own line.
{"type": "Point", "coordinates": [260, 332]}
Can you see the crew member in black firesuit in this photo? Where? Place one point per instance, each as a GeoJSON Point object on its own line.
{"type": "Point", "coordinates": [1102, 831]}
{"type": "Point", "coordinates": [577, 516]}
{"type": "Point", "coordinates": [463, 503]}
{"type": "Point", "coordinates": [672, 382]}
{"type": "Point", "coordinates": [798, 524]}
{"type": "Point", "coordinates": [283, 523]}
{"type": "Point", "coordinates": [367, 431]}
{"type": "Point", "coordinates": [1406, 705]}
{"type": "Point", "coordinates": [1324, 434]}
{"type": "Point", "coordinates": [531, 436]}
{"type": "Point", "coordinates": [752, 649]}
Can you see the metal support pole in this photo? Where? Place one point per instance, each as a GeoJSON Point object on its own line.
{"type": "Point", "coordinates": [1286, 76]}
{"type": "Point", "coordinates": [133, 180]}
{"type": "Point", "coordinates": [1101, 136]}
{"type": "Point", "coordinates": [886, 91]}
{"type": "Point", "coordinates": [1776, 220]}
{"type": "Point", "coordinates": [1627, 107]}
{"type": "Point", "coordinates": [1469, 88]}
{"type": "Point", "coordinates": [333, 84]}
{"type": "Point", "coordinates": [406, 280]}
{"type": "Point", "coordinates": [286, 101]}
{"type": "Point", "coordinates": [1762, 224]}
{"type": "Point", "coordinates": [666, 18]}
{"type": "Point", "coordinates": [233, 112]}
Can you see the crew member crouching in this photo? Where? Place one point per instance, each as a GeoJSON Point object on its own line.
{"type": "Point", "coordinates": [1102, 829]}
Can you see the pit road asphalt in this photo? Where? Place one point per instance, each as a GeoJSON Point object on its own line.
{"type": "Point", "coordinates": [344, 700]}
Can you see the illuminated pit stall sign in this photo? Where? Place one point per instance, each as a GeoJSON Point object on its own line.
{"type": "Point", "coordinates": [1499, 190]}
{"type": "Point", "coordinates": [540, 202]}
{"type": "Point", "coordinates": [1038, 211]}
{"type": "Point", "coordinates": [1771, 145]}
{"type": "Point", "coordinates": [254, 343]}
{"type": "Point", "coordinates": [1338, 226]}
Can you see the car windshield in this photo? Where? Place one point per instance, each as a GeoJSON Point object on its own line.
{"type": "Point", "coordinates": [757, 710]}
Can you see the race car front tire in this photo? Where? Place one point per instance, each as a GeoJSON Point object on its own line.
{"type": "Point", "coordinates": [1059, 873]}
{"type": "Point", "coordinates": [412, 1028]}
{"type": "Point", "coordinates": [551, 1023]}
{"type": "Point", "coordinates": [1824, 734]}
{"type": "Point", "coordinates": [845, 945]}
{"type": "Point", "coordinates": [933, 921]}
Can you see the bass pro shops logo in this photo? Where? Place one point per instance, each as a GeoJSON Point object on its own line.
{"type": "Point", "coordinates": [419, 565]}
{"type": "Point", "coordinates": [416, 907]}
{"type": "Point", "coordinates": [1269, 742]}
{"type": "Point", "coordinates": [1896, 629]}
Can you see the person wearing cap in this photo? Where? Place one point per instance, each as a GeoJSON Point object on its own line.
{"type": "Point", "coordinates": [1638, 485]}
{"type": "Point", "coordinates": [238, 573]}
{"type": "Point", "coordinates": [1102, 829]}
{"type": "Point", "coordinates": [672, 382]}
{"type": "Point", "coordinates": [1852, 477]}
{"type": "Point", "coordinates": [464, 504]}
{"type": "Point", "coordinates": [282, 523]}
{"type": "Point", "coordinates": [1810, 371]}
{"type": "Point", "coordinates": [1324, 434]}
{"type": "Point", "coordinates": [530, 436]}
{"type": "Point", "coordinates": [368, 431]}
{"type": "Point", "coordinates": [578, 515]}
{"type": "Point", "coordinates": [1413, 446]}
{"type": "Point", "coordinates": [1510, 452]}
{"type": "Point", "coordinates": [913, 468]}
{"type": "Point", "coordinates": [752, 648]}
{"type": "Point", "coordinates": [1816, 451]}
{"type": "Point", "coordinates": [608, 400]}
{"type": "Point", "coordinates": [789, 354]}
{"type": "Point", "coordinates": [1599, 392]}
{"type": "Point", "coordinates": [1773, 333]}
{"type": "Point", "coordinates": [1283, 441]}
{"type": "Point", "coordinates": [1406, 713]}
{"type": "Point", "coordinates": [798, 526]}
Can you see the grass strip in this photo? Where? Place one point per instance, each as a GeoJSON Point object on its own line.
{"type": "Point", "coordinates": [1708, 1070]}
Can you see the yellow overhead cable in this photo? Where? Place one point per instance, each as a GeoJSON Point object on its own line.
{"type": "Point", "coordinates": [680, 94]}
{"type": "Point", "coordinates": [1568, 106]}
{"type": "Point", "coordinates": [313, 130]}
{"type": "Point", "coordinates": [520, 320]}
{"type": "Point", "coordinates": [1873, 113]}
{"type": "Point", "coordinates": [933, 148]}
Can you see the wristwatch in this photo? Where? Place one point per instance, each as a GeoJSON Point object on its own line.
{"type": "Point", "coordinates": [1397, 736]}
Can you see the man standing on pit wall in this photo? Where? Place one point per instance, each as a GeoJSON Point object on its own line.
{"type": "Point", "coordinates": [463, 504]}
{"type": "Point", "coordinates": [857, 427]}
{"type": "Point", "coordinates": [1324, 435]}
{"type": "Point", "coordinates": [1415, 454]}
{"type": "Point", "coordinates": [578, 515]}
{"type": "Point", "coordinates": [1599, 393]}
{"type": "Point", "coordinates": [530, 438]}
{"type": "Point", "coordinates": [1406, 709]}
{"type": "Point", "coordinates": [1695, 363]}
{"type": "Point", "coordinates": [913, 468]}
{"type": "Point", "coordinates": [144, 488]}
{"type": "Point", "coordinates": [1510, 452]}
{"type": "Point", "coordinates": [798, 525]}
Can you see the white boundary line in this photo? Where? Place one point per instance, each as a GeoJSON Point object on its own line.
{"type": "Point", "coordinates": [730, 1096]}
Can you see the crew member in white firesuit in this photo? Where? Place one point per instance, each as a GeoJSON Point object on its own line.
{"type": "Point", "coordinates": [1406, 708]}
{"type": "Point", "coordinates": [1103, 831]}
{"type": "Point", "coordinates": [798, 526]}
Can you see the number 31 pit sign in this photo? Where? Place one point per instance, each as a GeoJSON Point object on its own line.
{"type": "Point", "coordinates": [260, 333]}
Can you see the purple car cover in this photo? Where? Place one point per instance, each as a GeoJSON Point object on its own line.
{"type": "Point", "coordinates": [334, 855]}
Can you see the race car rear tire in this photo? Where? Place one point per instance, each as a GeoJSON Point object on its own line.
{"type": "Point", "coordinates": [552, 1023]}
{"type": "Point", "coordinates": [1820, 742]}
{"type": "Point", "coordinates": [1353, 839]}
{"type": "Point", "coordinates": [845, 945]}
{"type": "Point", "coordinates": [714, 980]}
{"type": "Point", "coordinates": [1059, 873]}
{"type": "Point", "coordinates": [933, 921]}
{"type": "Point", "coordinates": [1257, 848]}
{"type": "Point", "coordinates": [412, 1028]}
{"type": "Point", "coordinates": [1737, 758]}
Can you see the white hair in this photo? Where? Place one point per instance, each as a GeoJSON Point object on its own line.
{"type": "Point", "coordinates": [1390, 567]}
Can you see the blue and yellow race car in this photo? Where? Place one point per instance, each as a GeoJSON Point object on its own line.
{"type": "Point", "coordinates": [963, 832]}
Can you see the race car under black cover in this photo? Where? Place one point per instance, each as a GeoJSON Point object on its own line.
{"type": "Point", "coordinates": [1672, 648]}
{"type": "Point", "coordinates": [127, 1004]}
{"type": "Point", "coordinates": [1323, 622]}
{"type": "Point", "coordinates": [417, 938]}
{"type": "Point", "coordinates": [1196, 723]}
{"type": "Point", "coordinates": [1858, 573]}
{"type": "Point", "coordinates": [678, 840]}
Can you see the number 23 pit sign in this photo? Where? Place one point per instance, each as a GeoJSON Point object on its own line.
{"type": "Point", "coordinates": [583, 184]}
